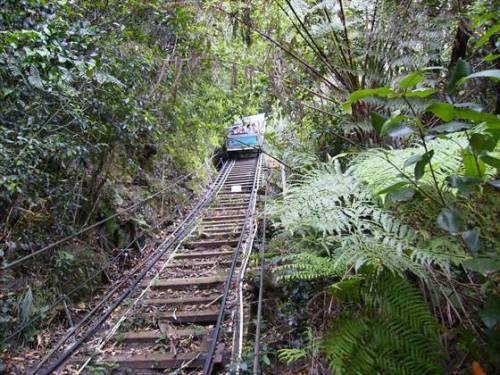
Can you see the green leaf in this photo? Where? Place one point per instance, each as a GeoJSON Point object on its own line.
{"type": "Point", "coordinates": [392, 123]}
{"type": "Point", "coordinates": [471, 239]}
{"type": "Point", "coordinates": [421, 164]}
{"type": "Point", "coordinates": [450, 220]}
{"type": "Point", "coordinates": [451, 127]}
{"type": "Point", "coordinates": [491, 57]}
{"type": "Point", "coordinates": [492, 73]}
{"type": "Point", "coordinates": [347, 284]}
{"type": "Point", "coordinates": [484, 266]}
{"type": "Point", "coordinates": [490, 160]}
{"type": "Point", "coordinates": [490, 315]}
{"type": "Point", "coordinates": [400, 130]}
{"type": "Point", "coordinates": [377, 121]}
{"type": "Point", "coordinates": [412, 160]}
{"type": "Point", "coordinates": [266, 360]}
{"type": "Point", "coordinates": [401, 195]}
{"type": "Point", "coordinates": [102, 78]}
{"type": "Point", "coordinates": [411, 79]}
{"type": "Point", "coordinates": [6, 91]}
{"type": "Point", "coordinates": [444, 111]}
{"type": "Point", "coordinates": [393, 187]}
{"type": "Point", "coordinates": [465, 184]}
{"type": "Point", "coordinates": [487, 35]}
{"type": "Point", "coordinates": [473, 167]}
{"type": "Point", "coordinates": [420, 93]}
{"type": "Point", "coordinates": [477, 117]}
{"type": "Point", "coordinates": [482, 142]}
{"type": "Point", "coordinates": [448, 112]}
{"type": "Point", "coordinates": [360, 94]}
{"type": "Point", "coordinates": [462, 69]}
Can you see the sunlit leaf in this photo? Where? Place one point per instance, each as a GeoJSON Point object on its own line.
{"type": "Point", "coordinates": [492, 73]}
{"type": "Point", "coordinates": [448, 112]}
{"type": "Point", "coordinates": [420, 93]}
{"type": "Point", "coordinates": [473, 166]}
{"type": "Point", "coordinates": [452, 126]}
{"type": "Point", "coordinates": [360, 94]}
{"type": "Point", "coordinates": [410, 80]}
{"type": "Point", "coordinates": [392, 123]}
{"type": "Point", "coordinates": [400, 130]}
{"type": "Point", "coordinates": [444, 111]}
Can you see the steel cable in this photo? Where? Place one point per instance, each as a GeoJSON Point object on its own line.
{"type": "Point", "coordinates": [62, 297]}
{"type": "Point", "coordinates": [85, 229]}
{"type": "Point", "coordinates": [166, 244]}
{"type": "Point", "coordinates": [108, 264]}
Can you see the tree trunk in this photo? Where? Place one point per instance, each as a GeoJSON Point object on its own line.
{"type": "Point", "coordinates": [462, 37]}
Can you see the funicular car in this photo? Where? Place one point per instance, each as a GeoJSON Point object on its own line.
{"type": "Point", "coordinates": [246, 134]}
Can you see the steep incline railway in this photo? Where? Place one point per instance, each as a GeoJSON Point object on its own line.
{"type": "Point", "coordinates": [185, 309]}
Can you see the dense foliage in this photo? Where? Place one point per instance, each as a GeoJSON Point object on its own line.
{"type": "Point", "coordinates": [103, 103]}
{"type": "Point", "coordinates": [402, 109]}
{"type": "Point", "coordinates": [385, 247]}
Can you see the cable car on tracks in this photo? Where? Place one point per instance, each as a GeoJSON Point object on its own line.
{"type": "Point", "coordinates": [246, 135]}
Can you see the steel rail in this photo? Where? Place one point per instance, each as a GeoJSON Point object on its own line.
{"type": "Point", "coordinates": [189, 227]}
{"type": "Point", "coordinates": [256, 351]}
{"type": "Point", "coordinates": [102, 301]}
{"type": "Point", "coordinates": [108, 264]}
{"type": "Point", "coordinates": [177, 235]}
{"type": "Point", "coordinates": [208, 365]}
{"type": "Point", "coordinates": [62, 297]}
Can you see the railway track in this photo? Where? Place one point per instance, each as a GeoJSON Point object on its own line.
{"type": "Point", "coordinates": [184, 311]}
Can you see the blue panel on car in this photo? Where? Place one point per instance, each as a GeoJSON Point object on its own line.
{"type": "Point", "coordinates": [242, 141]}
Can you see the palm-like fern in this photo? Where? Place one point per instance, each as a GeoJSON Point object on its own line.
{"type": "Point", "coordinates": [372, 166]}
{"type": "Point", "coordinates": [368, 46]}
{"type": "Point", "coordinates": [394, 333]}
{"type": "Point", "coordinates": [336, 207]}
{"type": "Point", "coordinates": [381, 168]}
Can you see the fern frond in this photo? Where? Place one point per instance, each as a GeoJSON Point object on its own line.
{"type": "Point", "coordinates": [373, 168]}
{"type": "Point", "coordinates": [290, 355]}
{"type": "Point", "coordinates": [395, 332]}
{"type": "Point", "coordinates": [337, 208]}
{"type": "Point", "coordinates": [307, 266]}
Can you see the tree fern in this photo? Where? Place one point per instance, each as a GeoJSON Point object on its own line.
{"type": "Point", "coordinates": [393, 332]}
{"type": "Point", "coordinates": [372, 166]}
{"type": "Point", "coordinates": [336, 207]}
